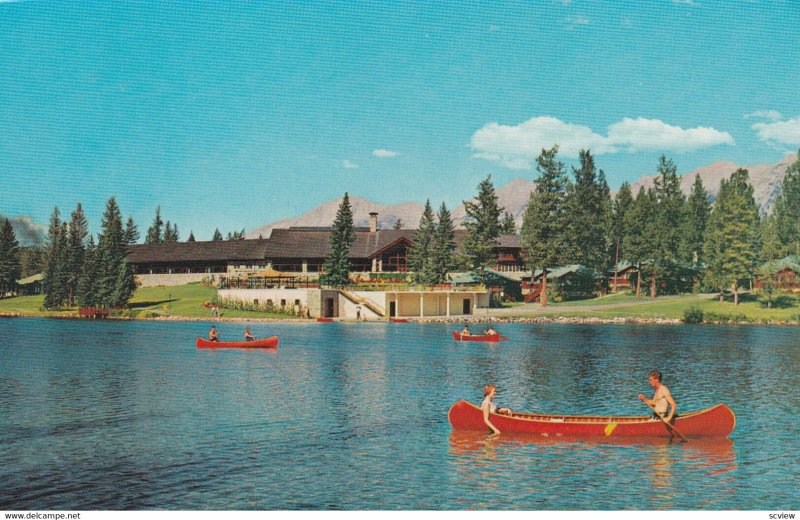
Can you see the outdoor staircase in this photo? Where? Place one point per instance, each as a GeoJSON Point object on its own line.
{"type": "Point", "coordinates": [363, 302]}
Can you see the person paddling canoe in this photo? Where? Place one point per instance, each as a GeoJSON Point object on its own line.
{"type": "Point", "coordinates": [247, 335]}
{"type": "Point", "coordinates": [488, 407]}
{"type": "Point", "coordinates": [662, 400]}
{"type": "Point", "coordinates": [213, 335]}
{"type": "Point", "coordinates": [489, 331]}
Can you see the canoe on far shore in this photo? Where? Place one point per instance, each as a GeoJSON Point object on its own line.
{"type": "Point", "coordinates": [494, 338]}
{"type": "Point", "coordinates": [270, 342]}
{"type": "Point", "coordinates": [716, 421]}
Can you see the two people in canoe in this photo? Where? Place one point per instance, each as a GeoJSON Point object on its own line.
{"type": "Point", "coordinates": [488, 406]}
{"type": "Point", "coordinates": [488, 332]}
{"type": "Point", "coordinates": [662, 403]}
{"type": "Point", "coordinates": [213, 335]}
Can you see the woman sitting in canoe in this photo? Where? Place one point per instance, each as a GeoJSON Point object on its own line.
{"type": "Point", "coordinates": [247, 335]}
{"type": "Point", "coordinates": [465, 331]}
{"type": "Point", "coordinates": [213, 335]}
{"type": "Point", "coordinates": [489, 391]}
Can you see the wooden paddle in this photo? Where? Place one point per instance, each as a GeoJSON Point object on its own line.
{"type": "Point", "coordinates": [671, 427]}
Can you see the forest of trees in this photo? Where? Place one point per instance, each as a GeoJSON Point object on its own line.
{"type": "Point", "coordinates": [678, 243]}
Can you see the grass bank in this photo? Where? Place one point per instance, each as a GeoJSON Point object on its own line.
{"type": "Point", "coordinates": [751, 309]}
{"type": "Point", "coordinates": [182, 301]}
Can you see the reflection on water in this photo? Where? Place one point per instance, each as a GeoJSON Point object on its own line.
{"type": "Point", "coordinates": [130, 415]}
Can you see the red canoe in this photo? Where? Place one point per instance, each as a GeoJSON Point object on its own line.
{"type": "Point", "coordinates": [325, 320]}
{"type": "Point", "coordinates": [717, 421]}
{"type": "Point", "coordinates": [270, 342]}
{"type": "Point", "coordinates": [398, 320]}
{"type": "Point", "coordinates": [457, 336]}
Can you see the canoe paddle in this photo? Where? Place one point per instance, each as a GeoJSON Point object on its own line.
{"type": "Point", "coordinates": [671, 427]}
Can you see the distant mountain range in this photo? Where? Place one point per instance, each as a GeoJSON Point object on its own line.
{"type": "Point", "coordinates": [513, 197]}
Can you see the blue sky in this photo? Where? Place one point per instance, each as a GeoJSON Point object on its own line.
{"type": "Point", "coordinates": [237, 114]}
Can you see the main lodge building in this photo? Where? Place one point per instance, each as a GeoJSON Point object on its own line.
{"type": "Point", "coordinates": [298, 254]}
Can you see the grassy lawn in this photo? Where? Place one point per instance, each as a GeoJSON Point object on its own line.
{"type": "Point", "coordinates": [179, 301]}
{"type": "Point", "coordinates": [750, 308]}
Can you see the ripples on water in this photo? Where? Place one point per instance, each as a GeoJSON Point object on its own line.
{"type": "Point", "coordinates": [129, 415]}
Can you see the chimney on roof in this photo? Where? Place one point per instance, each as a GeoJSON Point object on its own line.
{"type": "Point", "coordinates": [373, 221]}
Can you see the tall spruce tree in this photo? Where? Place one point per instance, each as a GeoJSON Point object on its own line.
{"type": "Point", "coordinates": [668, 225]}
{"type": "Point", "coordinates": [483, 228]}
{"type": "Point", "coordinates": [544, 234]}
{"type": "Point", "coordinates": [33, 260]}
{"type": "Point", "coordinates": [787, 210]}
{"type": "Point", "coordinates": [155, 234]}
{"type": "Point", "coordinates": [76, 246]}
{"type": "Point", "coordinates": [113, 268]}
{"type": "Point", "coordinates": [623, 202]}
{"type": "Point", "coordinates": [217, 235]}
{"type": "Point", "coordinates": [398, 224]}
{"type": "Point", "coordinates": [444, 246]}
{"type": "Point", "coordinates": [54, 282]}
{"type": "Point", "coordinates": [588, 215]}
{"type": "Point", "coordinates": [698, 209]}
{"type": "Point", "coordinates": [171, 233]}
{"type": "Point", "coordinates": [87, 295]}
{"type": "Point", "coordinates": [337, 265]}
{"type": "Point", "coordinates": [639, 243]}
{"type": "Point", "coordinates": [131, 232]}
{"type": "Point", "coordinates": [507, 225]}
{"type": "Point", "coordinates": [419, 256]}
{"type": "Point", "coordinates": [10, 267]}
{"type": "Point", "coordinates": [191, 237]}
{"type": "Point", "coordinates": [732, 233]}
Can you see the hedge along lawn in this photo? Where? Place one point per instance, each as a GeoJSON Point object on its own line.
{"type": "Point", "coordinates": [184, 301]}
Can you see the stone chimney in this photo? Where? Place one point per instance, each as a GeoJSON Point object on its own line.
{"type": "Point", "coordinates": [373, 222]}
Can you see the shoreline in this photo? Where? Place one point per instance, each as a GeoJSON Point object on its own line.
{"type": "Point", "coordinates": [562, 320]}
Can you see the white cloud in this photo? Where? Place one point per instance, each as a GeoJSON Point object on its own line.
{"type": "Point", "coordinates": [639, 134]}
{"type": "Point", "coordinates": [384, 154]}
{"type": "Point", "coordinates": [347, 165]}
{"type": "Point", "coordinates": [779, 132]}
{"type": "Point", "coordinates": [772, 115]}
{"type": "Point", "coordinates": [517, 147]}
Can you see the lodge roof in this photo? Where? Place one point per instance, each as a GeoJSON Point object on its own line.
{"type": "Point", "coordinates": [210, 251]}
{"type": "Point", "coordinates": [298, 242]}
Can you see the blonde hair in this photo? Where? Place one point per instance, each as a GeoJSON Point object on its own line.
{"type": "Point", "coordinates": [487, 389]}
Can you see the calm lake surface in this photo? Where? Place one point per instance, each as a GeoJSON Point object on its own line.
{"type": "Point", "coordinates": [129, 415]}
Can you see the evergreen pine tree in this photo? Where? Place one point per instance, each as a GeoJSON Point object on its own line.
{"type": "Point", "coordinates": [697, 210]}
{"type": "Point", "coordinates": [76, 238]}
{"type": "Point", "coordinates": [86, 295]}
{"type": "Point", "coordinates": [10, 267]}
{"type": "Point", "coordinates": [732, 232]}
{"type": "Point", "coordinates": [112, 254]}
{"type": "Point", "coordinates": [588, 215]}
{"type": "Point", "coordinates": [168, 233]}
{"type": "Point", "coordinates": [787, 210]}
{"type": "Point", "coordinates": [507, 225]}
{"type": "Point", "coordinates": [32, 260]}
{"type": "Point", "coordinates": [191, 237]}
{"type": "Point", "coordinates": [544, 234]}
{"type": "Point", "coordinates": [217, 235]}
{"type": "Point", "coordinates": [53, 285]}
{"type": "Point", "coordinates": [483, 228]}
{"type": "Point", "coordinates": [337, 265]}
{"type": "Point", "coordinates": [638, 238]}
{"type": "Point", "coordinates": [398, 224]}
{"type": "Point", "coordinates": [669, 222]}
{"type": "Point", "coordinates": [619, 209]}
{"type": "Point", "coordinates": [444, 245]}
{"type": "Point", "coordinates": [154, 233]}
{"type": "Point", "coordinates": [419, 255]}
{"type": "Point", "coordinates": [131, 232]}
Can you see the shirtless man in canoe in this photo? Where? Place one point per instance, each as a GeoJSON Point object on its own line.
{"type": "Point", "coordinates": [662, 399]}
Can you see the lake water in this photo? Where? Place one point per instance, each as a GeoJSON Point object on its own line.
{"type": "Point", "coordinates": [129, 415]}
